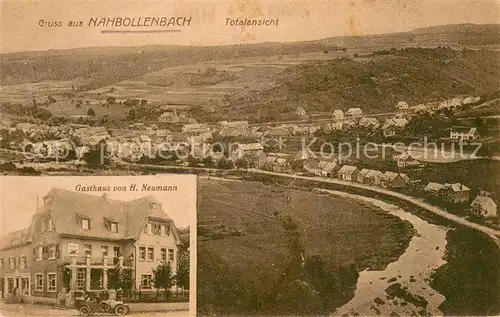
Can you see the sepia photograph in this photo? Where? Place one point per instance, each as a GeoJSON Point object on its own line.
{"type": "Point", "coordinates": [97, 245]}
{"type": "Point", "coordinates": [346, 156]}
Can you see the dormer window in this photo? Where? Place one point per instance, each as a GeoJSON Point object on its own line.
{"type": "Point", "coordinates": [114, 227]}
{"type": "Point", "coordinates": [86, 224]}
{"type": "Point", "coordinates": [47, 200]}
{"type": "Point", "coordinates": [154, 205]}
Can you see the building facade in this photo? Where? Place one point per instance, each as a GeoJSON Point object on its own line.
{"type": "Point", "coordinates": [76, 240]}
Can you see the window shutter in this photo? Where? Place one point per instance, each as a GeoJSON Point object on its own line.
{"type": "Point", "coordinates": [58, 254]}
{"type": "Point", "coordinates": [34, 254]}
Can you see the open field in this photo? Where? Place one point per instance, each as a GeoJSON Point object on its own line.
{"type": "Point", "coordinates": [344, 233]}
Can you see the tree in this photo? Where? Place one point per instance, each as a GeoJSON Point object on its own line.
{"type": "Point", "coordinates": [120, 278]}
{"type": "Point", "coordinates": [182, 277]}
{"type": "Point", "coordinates": [97, 155]}
{"type": "Point", "coordinates": [242, 163]}
{"type": "Point", "coordinates": [91, 112]}
{"type": "Point", "coordinates": [111, 100]}
{"type": "Point", "coordinates": [163, 278]}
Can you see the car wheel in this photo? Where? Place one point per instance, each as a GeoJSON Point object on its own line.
{"type": "Point", "coordinates": [85, 311]}
{"type": "Point", "coordinates": [120, 310]}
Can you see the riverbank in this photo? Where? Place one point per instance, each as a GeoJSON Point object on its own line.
{"type": "Point", "coordinates": [409, 273]}
{"type": "Point", "coordinates": [248, 272]}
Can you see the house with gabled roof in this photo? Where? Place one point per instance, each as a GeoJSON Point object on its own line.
{"type": "Point", "coordinates": [433, 190]}
{"type": "Point", "coordinates": [87, 235]}
{"type": "Point", "coordinates": [405, 160]}
{"type": "Point", "coordinates": [485, 207]}
{"type": "Point", "coordinates": [330, 169]}
{"type": "Point", "coordinates": [354, 113]}
{"type": "Point", "coordinates": [464, 133]}
{"type": "Point", "coordinates": [348, 173]}
{"type": "Point", "coordinates": [373, 177]}
{"type": "Point", "coordinates": [394, 180]}
{"type": "Point", "coordinates": [455, 193]}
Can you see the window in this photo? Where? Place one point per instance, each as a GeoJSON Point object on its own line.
{"type": "Point", "coordinates": [47, 200]}
{"type": "Point", "coordinates": [18, 261]}
{"type": "Point", "coordinates": [114, 227]}
{"type": "Point", "coordinates": [51, 282]}
{"type": "Point", "coordinates": [80, 279]}
{"type": "Point", "coordinates": [38, 253]}
{"type": "Point", "coordinates": [165, 230]}
{"type": "Point", "coordinates": [39, 282]}
{"type": "Point", "coordinates": [154, 206]}
{"type": "Point", "coordinates": [50, 224]}
{"type": "Point", "coordinates": [116, 252]}
{"type": "Point", "coordinates": [52, 251]}
{"type": "Point", "coordinates": [146, 281]}
{"type": "Point", "coordinates": [149, 228]}
{"type": "Point", "coordinates": [23, 262]}
{"type": "Point", "coordinates": [44, 228]}
{"type": "Point", "coordinates": [88, 249]}
{"type": "Point", "coordinates": [104, 250]}
{"type": "Point", "coordinates": [151, 254]}
{"type": "Point", "coordinates": [12, 264]}
{"type": "Point", "coordinates": [142, 253]}
{"type": "Point", "coordinates": [163, 254]}
{"type": "Point", "coordinates": [10, 285]}
{"type": "Point", "coordinates": [171, 255]}
{"type": "Point", "coordinates": [86, 224]}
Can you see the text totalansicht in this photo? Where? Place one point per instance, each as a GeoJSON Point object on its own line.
{"type": "Point", "coordinates": [252, 22]}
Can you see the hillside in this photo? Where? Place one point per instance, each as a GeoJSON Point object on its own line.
{"type": "Point", "coordinates": [103, 66]}
{"type": "Point", "coordinates": [376, 82]}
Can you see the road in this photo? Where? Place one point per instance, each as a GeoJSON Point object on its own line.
{"type": "Point", "coordinates": [492, 233]}
{"type": "Point", "coordinates": [22, 310]}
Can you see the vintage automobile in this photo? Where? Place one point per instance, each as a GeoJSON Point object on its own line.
{"type": "Point", "coordinates": [88, 307]}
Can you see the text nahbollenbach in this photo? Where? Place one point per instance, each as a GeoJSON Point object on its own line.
{"type": "Point", "coordinates": [139, 21]}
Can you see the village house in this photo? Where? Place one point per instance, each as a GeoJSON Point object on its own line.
{"type": "Point", "coordinates": [354, 113]}
{"type": "Point", "coordinates": [330, 169]}
{"type": "Point", "coordinates": [268, 163]}
{"type": "Point", "coordinates": [394, 180]}
{"type": "Point", "coordinates": [405, 160]}
{"type": "Point", "coordinates": [282, 165]}
{"type": "Point", "coordinates": [15, 262]}
{"type": "Point", "coordinates": [348, 173]}
{"type": "Point", "coordinates": [360, 178]}
{"type": "Point", "coordinates": [455, 193]}
{"type": "Point", "coordinates": [85, 236]}
{"type": "Point", "coordinates": [169, 117]}
{"type": "Point", "coordinates": [373, 178]}
{"type": "Point", "coordinates": [419, 108]}
{"type": "Point", "coordinates": [463, 133]}
{"type": "Point", "coordinates": [402, 105]}
{"type": "Point", "coordinates": [433, 190]}
{"type": "Point", "coordinates": [338, 115]}
{"type": "Point", "coordinates": [277, 132]}
{"type": "Point", "coordinates": [484, 207]}
{"type": "Point", "coordinates": [233, 129]}
{"type": "Point", "coordinates": [301, 112]}
{"type": "Point", "coordinates": [318, 170]}
{"type": "Point", "coordinates": [241, 150]}
{"type": "Point", "coordinates": [389, 131]}
{"type": "Point", "coordinates": [310, 165]}
{"type": "Point", "coordinates": [367, 122]}
{"type": "Point", "coordinates": [195, 128]}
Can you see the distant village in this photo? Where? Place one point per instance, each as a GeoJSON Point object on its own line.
{"type": "Point", "coordinates": [204, 145]}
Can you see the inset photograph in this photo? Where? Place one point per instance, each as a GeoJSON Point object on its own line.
{"type": "Point", "coordinates": [97, 245]}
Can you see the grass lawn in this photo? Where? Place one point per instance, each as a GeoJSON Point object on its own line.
{"type": "Point", "coordinates": [343, 232]}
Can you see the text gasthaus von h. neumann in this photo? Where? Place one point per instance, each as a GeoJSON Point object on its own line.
{"type": "Point", "coordinates": [159, 21]}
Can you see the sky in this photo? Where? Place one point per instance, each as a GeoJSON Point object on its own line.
{"type": "Point", "coordinates": [307, 20]}
{"type": "Point", "coordinates": [18, 195]}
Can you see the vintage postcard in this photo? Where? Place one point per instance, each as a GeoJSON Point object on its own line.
{"type": "Point", "coordinates": [98, 245]}
{"type": "Point", "coordinates": [346, 152]}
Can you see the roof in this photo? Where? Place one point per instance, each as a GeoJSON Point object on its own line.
{"type": "Point", "coordinates": [321, 165]}
{"type": "Point", "coordinates": [330, 166]}
{"type": "Point", "coordinates": [457, 187]}
{"type": "Point", "coordinates": [354, 110]}
{"type": "Point", "coordinates": [347, 169]}
{"type": "Point", "coordinates": [67, 206]}
{"type": "Point", "coordinates": [14, 238]}
{"type": "Point", "coordinates": [460, 129]}
{"type": "Point", "coordinates": [363, 172]}
{"type": "Point", "coordinates": [338, 112]}
{"type": "Point", "coordinates": [250, 146]}
{"type": "Point", "coordinates": [434, 187]}
{"type": "Point", "coordinates": [482, 200]}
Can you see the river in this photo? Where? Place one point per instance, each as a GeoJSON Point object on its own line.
{"type": "Point", "coordinates": [412, 270]}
